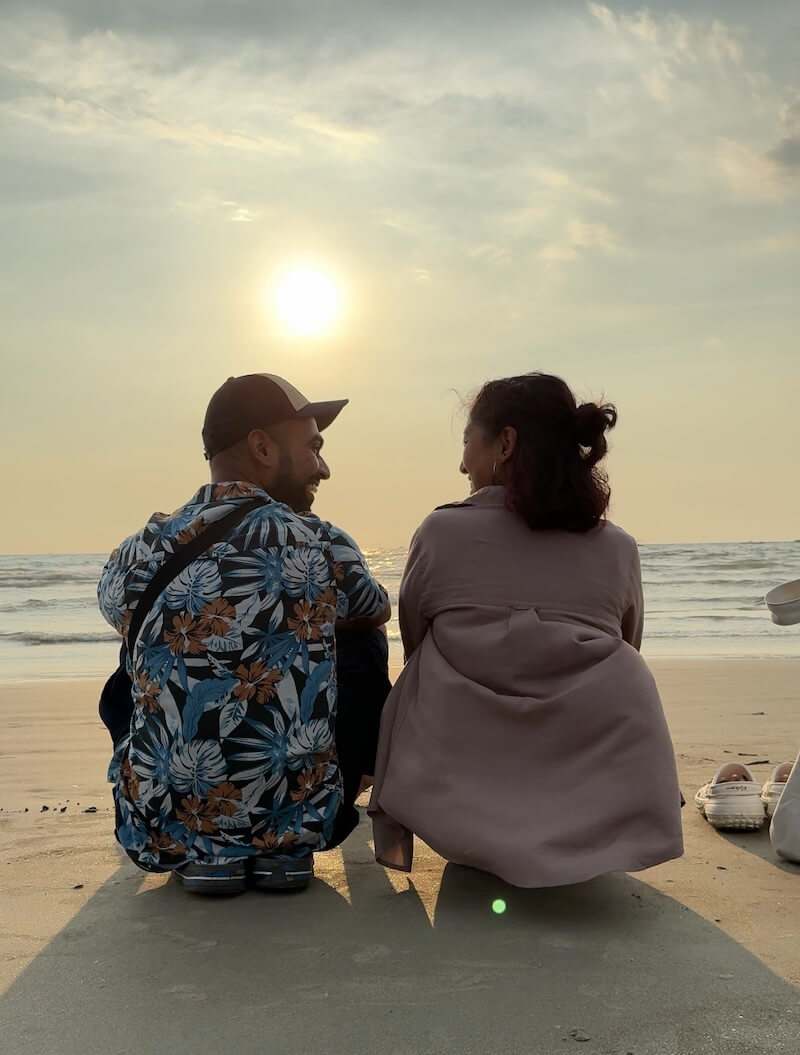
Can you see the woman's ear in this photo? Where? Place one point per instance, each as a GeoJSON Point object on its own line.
{"type": "Point", "coordinates": [508, 442]}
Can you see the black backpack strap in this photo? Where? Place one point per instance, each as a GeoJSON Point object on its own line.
{"type": "Point", "coordinates": [188, 552]}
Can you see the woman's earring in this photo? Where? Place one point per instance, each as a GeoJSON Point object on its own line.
{"type": "Point", "coordinates": [494, 473]}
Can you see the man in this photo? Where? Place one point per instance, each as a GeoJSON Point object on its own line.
{"type": "Point", "coordinates": [228, 769]}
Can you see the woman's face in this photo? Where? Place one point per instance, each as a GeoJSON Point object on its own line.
{"type": "Point", "coordinates": [479, 457]}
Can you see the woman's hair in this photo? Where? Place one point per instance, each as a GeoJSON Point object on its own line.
{"type": "Point", "coordinates": [554, 481]}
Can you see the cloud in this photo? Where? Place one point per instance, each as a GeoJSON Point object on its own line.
{"type": "Point", "coordinates": [786, 153]}
{"type": "Point", "coordinates": [779, 243]}
{"type": "Point", "coordinates": [541, 136]}
{"type": "Point", "coordinates": [658, 82]}
{"type": "Point", "coordinates": [348, 135]}
{"type": "Point", "coordinates": [676, 38]}
{"type": "Point", "coordinates": [720, 43]}
{"type": "Point", "coordinates": [661, 46]}
{"type": "Point", "coordinates": [750, 174]}
{"type": "Point", "coordinates": [80, 117]}
{"type": "Point", "coordinates": [558, 253]}
{"type": "Point", "coordinates": [105, 85]}
{"type": "Point", "coordinates": [209, 204]}
{"type": "Point", "coordinates": [605, 16]}
{"type": "Point", "coordinates": [581, 237]}
{"type": "Point", "coordinates": [496, 255]}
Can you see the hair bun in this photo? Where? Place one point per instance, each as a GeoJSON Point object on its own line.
{"type": "Point", "coordinates": [592, 421]}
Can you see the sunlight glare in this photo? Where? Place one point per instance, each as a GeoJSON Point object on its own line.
{"type": "Point", "coordinates": [307, 301]}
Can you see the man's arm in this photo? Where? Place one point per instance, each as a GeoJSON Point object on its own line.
{"type": "Point", "coordinates": [362, 602]}
{"type": "Point", "coordinates": [111, 595]}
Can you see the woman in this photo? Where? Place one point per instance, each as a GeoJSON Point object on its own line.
{"type": "Point", "coordinates": [525, 735]}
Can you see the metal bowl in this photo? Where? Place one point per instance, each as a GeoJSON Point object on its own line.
{"type": "Point", "coordinates": [784, 603]}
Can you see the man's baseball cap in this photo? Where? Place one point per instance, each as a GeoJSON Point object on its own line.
{"type": "Point", "coordinates": [256, 401]}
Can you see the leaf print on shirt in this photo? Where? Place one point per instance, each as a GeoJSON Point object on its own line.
{"type": "Point", "coordinates": [265, 751]}
{"type": "Point", "coordinates": [195, 587]}
{"type": "Point", "coordinates": [111, 595]}
{"type": "Point", "coordinates": [306, 572]}
{"type": "Point", "coordinates": [198, 766]}
{"type": "Point", "coordinates": [258, 573]}
{"type": "Point", "coordinates": [152, 756]}
{"type": "Point", "coordinates": [307, 741]}
{"type": "Point", "coordinates": [231, 715]}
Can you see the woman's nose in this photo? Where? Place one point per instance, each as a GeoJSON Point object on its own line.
{"type": "Point", "coordinates": [462, 469]}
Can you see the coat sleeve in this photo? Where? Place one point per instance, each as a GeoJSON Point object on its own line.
{"type": "Point", "coordinates": [414, 612]}
{"type": "Point", "coordinates": [633, 617]}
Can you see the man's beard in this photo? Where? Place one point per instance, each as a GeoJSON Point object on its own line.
{"type": "Point", "coordinates": [288, 489]}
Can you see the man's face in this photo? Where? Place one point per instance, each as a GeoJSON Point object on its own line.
{"type": "Point", "coordinates": [301, 466]}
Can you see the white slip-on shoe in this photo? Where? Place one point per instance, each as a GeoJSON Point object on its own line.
{"type": "Point", "coordinates": [732, 799]}
{"type": "Point", "coordinates": [772, 790]}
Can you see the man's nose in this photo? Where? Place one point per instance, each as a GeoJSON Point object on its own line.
{"type": "Point", "coordinates": [462, 469]}
{"type": "Point", "coordinates": [324, 471]}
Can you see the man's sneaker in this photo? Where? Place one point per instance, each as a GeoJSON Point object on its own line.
{"type": "Point", "coordinates": [227, 879]}
{"type": "Point", "coordinates": [732, 799]}
{"type": "Point", "coordinates": [269, 874]}
{"type": "Point", "coordinates": [773, 789]}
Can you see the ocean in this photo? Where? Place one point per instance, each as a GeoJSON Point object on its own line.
{"type": "Point", "coordinates": [702, 601]}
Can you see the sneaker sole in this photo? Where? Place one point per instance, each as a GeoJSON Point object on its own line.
{"type": "Point", "coordinates": [281, 876]}
{"type": "Point", "coordinates": [735, 816]}
{"type": "Point", "coordinates": [219, 886]}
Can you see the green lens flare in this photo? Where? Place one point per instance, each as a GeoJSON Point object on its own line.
{"type": "Point", "coordinates": [498, 906]}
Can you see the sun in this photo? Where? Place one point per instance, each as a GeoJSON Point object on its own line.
{"type": "Point", "coordinates": [307, 301]}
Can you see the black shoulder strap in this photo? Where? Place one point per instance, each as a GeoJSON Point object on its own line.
{"type": "Point", "coordinates": [182, 559]}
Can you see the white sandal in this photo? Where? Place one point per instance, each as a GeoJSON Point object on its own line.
{"type": "Point", "coordinates": [732, 799]}
{"type": "Point", "coordinates": [773, 789]}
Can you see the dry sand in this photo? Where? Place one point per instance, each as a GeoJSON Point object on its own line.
{"type": "Point", "coordinates": [698, 956]}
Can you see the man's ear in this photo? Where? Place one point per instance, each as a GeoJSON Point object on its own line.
{"type": "Point", "coordinates": [262, 447]}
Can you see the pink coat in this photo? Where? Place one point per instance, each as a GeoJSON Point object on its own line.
{"type": "Point", "coordinates": [525, 736]}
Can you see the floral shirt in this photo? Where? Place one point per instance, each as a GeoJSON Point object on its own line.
{"type": "Point", "coordinates": [231, 749]}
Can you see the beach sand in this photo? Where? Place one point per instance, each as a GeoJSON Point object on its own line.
{"type": "Point", "coordinates": [698, 956]}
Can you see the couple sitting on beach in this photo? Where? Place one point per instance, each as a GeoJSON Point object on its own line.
{"type": "Point", "coordinates": [524, 737]}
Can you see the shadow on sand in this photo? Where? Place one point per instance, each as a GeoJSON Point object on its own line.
{"type": "Point", "coordinates": [354, 966]}
{"type": "Point", "coordinates": [758, 843]}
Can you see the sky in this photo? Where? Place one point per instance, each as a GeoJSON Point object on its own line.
{"type": "Point", "coordinates": [609, 193]}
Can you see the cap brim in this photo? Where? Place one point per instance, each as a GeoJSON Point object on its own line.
{"type": "Point", "coordinates": [323, 413]}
